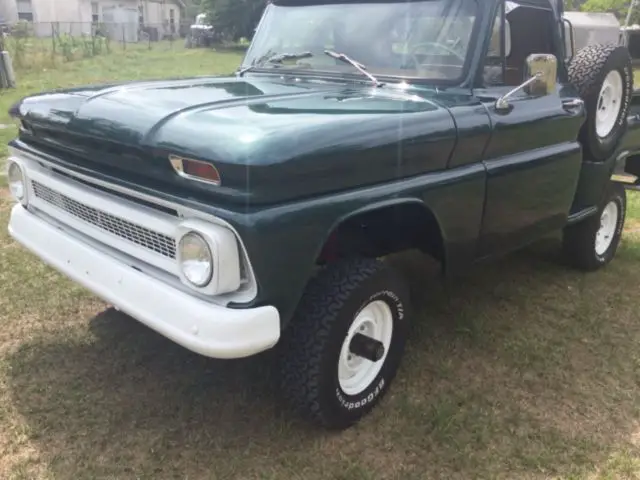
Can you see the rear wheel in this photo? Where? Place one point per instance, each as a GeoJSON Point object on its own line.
{"type": "Point", "coordinates": [610, 99]}
{"type": "Point", "coordinates": [603, 76]}
{"type": "Point", "coordinates": [592, 243]}
{"type": "Point", "coordinates": [343, 348]}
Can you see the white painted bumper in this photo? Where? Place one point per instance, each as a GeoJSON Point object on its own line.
{"type": "Point", "coordinates": [210, 330]}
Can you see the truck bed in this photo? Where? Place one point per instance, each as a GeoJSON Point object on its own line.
{"type": "Point", "coordinates": [631, 140]}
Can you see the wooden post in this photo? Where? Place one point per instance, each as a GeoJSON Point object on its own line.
{"type": "Point", "coordinates": [4, 78]}
{"type": "Point", "coordinates": [7, 65]}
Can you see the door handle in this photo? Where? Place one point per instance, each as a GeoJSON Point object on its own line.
{"type": "Point", "coordinates": [573, 104]}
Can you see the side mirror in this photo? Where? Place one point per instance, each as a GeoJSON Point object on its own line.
{"type": "Point", "coordinates": [542, 70]}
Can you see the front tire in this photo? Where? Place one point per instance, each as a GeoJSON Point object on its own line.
{"type": "Point", "coordinates": [592, 243]}
{"type": "Point", "coordinates": [322, 378]}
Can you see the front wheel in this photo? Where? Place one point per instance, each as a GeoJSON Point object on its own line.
{"type": "Point", "coordinates": [344, 346]}
{"type": "Point", "coordinates": [592, 243]}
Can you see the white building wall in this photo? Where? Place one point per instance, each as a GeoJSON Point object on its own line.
{"type": "Point", "coordinates": [157, 14]}
{"type": "Point", "coordinates": [152, 13]}
{"type": "Point", "coordinates": [75, 16]}
{"type": "Point", "coordinates": [57, 10]}
{"type": "Point", "coordinates": [8, 11]}
{"type": "Point", "coordinates": [167, 7]}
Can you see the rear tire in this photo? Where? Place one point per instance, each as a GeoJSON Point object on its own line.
{"type": "Point", "coordinates": [321, 378]}
{"type": "Point", "coordinates": [603, 76]}
{"type": "Point", "coordinates": [592, 243]}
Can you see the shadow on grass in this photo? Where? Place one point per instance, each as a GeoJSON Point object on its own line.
{"type": "Point", "coordinates": [519, 368]}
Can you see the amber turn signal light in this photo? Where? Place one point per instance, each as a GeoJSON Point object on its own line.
{"type": "Point", "coordinates": [195, 170]}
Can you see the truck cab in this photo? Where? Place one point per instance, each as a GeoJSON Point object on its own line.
{"type": "Point", "coordinates": [253, 211]}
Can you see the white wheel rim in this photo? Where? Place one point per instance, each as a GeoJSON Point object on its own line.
{"type": "Point", "coordinates": [606, 232]}
{"type": "Point", "coordinates": [355, 373]}
{"type": "Point", "coordinates": [609, 103]}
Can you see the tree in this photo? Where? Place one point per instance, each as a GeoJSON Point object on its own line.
{"type": "Point", "coordinates": [192, 9]}
{"type": "Point", "coordinates": [234, 19]}
{"type": "Point", "coordinates": [573, 5]}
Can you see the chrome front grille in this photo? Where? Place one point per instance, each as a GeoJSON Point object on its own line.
{"type": "Point", "coordinates": [154, 241]}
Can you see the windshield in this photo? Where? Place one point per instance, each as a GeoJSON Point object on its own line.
{"type": "Point", "coordinates": [426, 39]}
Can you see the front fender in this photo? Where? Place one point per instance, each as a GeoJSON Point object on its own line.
{"type": "Point", "coordinates": [284, 242]}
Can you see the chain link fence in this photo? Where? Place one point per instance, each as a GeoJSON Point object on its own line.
{"type": "Point", "coordinates": [35, 46]}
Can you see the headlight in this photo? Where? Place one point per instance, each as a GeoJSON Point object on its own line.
{"type": "Point", "coordinates": [16, 182]}
{"type": "Point", "coordinates": [196, 260]}
{"type": "Point", "coordinates": [208, 257]}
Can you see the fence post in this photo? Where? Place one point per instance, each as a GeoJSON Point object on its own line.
{"type": "Point", "coordinates": [4, 77]}
{"type": "Point", "coordinates": [8, 69]}
{"type": "Point", "coordinates": [53, 42]}
{"type": "Point", "coordinates": [124, 38]}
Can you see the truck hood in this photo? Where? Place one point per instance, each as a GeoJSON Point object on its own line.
{"type": "Point", "coordinates": [270, 139]}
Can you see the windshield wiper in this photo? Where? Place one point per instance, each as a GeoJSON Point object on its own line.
{"type": "Point", "coordinates": [276, 58]}
{"type": "Point", "coordinates": [360, 67]}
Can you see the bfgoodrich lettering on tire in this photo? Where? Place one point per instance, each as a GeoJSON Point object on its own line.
{"type": "Point", "coordinates": [343, 348]}
{"type": "Point", "coordinates": [592, 243]}
{"type": "Point", "coordinates": [603, 76]}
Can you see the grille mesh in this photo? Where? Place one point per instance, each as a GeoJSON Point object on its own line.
{"type": "Point", "coordinates": [157, 242]}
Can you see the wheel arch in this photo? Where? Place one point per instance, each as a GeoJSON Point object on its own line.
{"type": "Point", "coordinates": [383, 228]}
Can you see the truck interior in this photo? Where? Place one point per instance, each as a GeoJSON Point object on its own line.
{"type": "Point", "coordinates": [526, 29]}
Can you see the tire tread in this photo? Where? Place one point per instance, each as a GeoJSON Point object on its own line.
{"type": "Point", "coordinates": [306, 339]}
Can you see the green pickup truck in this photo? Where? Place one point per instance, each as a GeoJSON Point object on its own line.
{"type": "Point", "coordinates": [236, 214]}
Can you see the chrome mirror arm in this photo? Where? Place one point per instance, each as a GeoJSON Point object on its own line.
{"type": "Point", "coordinates": [503, 102]}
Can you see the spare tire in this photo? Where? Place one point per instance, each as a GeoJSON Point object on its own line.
{"type": "Point", "coordinates": [603, 76]}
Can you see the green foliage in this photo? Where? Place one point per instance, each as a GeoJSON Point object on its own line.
{"type": "Point", "coordinates": [192, 9]}
{"type": "Point", "coordinates": [22, 29]}
{"type": "Point", "coordinates": [233, 19]}
{"type": "Point", "coordinates": [617, 7]}
{"type": "Point", "coordinates": [66, 46]}
{"type": "Point", "coordinates": [18, 46]}
{"type": "Point", "coordinates": [72, 48]}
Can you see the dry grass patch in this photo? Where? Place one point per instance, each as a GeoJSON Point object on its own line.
{"type": "Point", "coordinates": [522, 369]}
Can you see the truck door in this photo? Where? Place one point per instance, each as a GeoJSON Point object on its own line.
{"type": "Point", "coordinates": [532, 158]}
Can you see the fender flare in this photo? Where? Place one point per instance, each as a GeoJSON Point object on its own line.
{"type": "Point", "coordinates": [404, 201]}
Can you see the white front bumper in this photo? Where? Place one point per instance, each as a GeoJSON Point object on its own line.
{"type": "Point", "coordinates": [204, 328]}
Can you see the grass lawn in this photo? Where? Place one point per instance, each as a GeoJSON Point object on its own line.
{"type": "Point", "coordinates": [521, 369]}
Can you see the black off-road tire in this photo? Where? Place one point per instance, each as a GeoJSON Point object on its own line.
{"type": "Point", "coordinates": [579, 240]}
{"type": "Point", "coordinates": [587, 72]}
{"type": "Point", "coordinates": [311, 346]}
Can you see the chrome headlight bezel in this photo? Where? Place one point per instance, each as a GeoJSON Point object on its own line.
{"type": "Point", "coordinates": [17, 181]}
